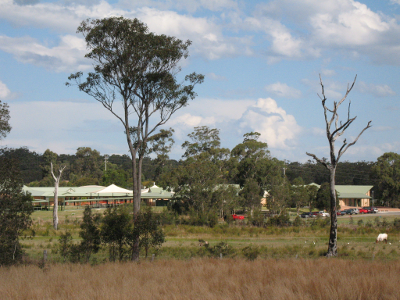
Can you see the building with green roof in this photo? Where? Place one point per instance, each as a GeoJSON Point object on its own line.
{"type": "Point", "coordinates": [95, 195]}
{"type": "Point", "coordinates": [353, 195]}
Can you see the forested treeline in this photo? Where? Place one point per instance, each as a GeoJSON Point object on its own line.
{"type": "Point", "coordinates": [204, 165]}
{"type": "Point", "coordinates": [35, 168]}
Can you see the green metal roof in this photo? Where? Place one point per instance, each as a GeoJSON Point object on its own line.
{"type": "Point", "coordinates": [351, 191]}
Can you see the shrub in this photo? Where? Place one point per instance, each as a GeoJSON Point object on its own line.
{"type": "Point", "coordinates": [251, 252]}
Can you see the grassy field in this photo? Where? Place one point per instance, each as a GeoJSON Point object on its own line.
{"type": "Point", "coordinates": [182, 241]}
{"type": "Point", "coordinates": [206, 279]}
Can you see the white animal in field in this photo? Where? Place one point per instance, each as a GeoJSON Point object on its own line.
{"type": "Point", "coordinates": [382, 237]}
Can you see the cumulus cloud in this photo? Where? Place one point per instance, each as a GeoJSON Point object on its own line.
{"type": "Point", "coordinates": [186, 5]}
{"type": "Point", "coordinates": [4, 91]}
{"type": "Point", "coordinates": [26, 2]}
{"type": "Point", "coordinates": [61, 124]}
{"type": "Point", "coordinates": [283, 90]}
{"type": "Point", "coordinates": [322, 26]}
{"type": "Point", "coordinates": [378, 90]}
{"type": "Point", "coordinates": [69, 54]}
{"type": "Point", "coordinates": [207, 37]}
{"type": "Point", "coordinates": [277, 128]}
{"type": "Point", "coordinates": [215, 77]}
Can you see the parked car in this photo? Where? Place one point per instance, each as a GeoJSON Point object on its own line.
{"type": "Point", "coordinates": [306, 215]}
{"type": "Point", "coordinates": [323, 214]}
{"type": "Point", "coordinates": [351, 211]}
{"type": "Point", "coordinates": [314, 214]}
{"type": "Point", "coordinates": [371, 209]}
{"type": "Point", "coordinates": [363, 210]}
{"type": "Point", "coordinates": [237, 217]}
{"type": "Point", "coordinates": [340, 213]}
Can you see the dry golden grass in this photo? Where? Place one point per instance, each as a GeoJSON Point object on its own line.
{"type": "Point", "coordinates": [206, 279]}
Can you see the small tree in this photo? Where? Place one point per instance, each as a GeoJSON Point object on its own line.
{"type": "Point", "coordinates": [115, 227]}
{"type": "Point", "coordinates": [56, 183]}
{"type": "Point", "coordinates": [15, 210]}
{"type": "Point", "coordinates": [333, 134]}
{"type": "Point", "coordinates": [147, 229]}
{"type": "Point", "coordinates": [90, 233]}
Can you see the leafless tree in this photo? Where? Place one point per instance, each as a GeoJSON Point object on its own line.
{"type": "Point", "coordinates": [332, 117]}
{"type": "Point", "coordinates": [56, 183]}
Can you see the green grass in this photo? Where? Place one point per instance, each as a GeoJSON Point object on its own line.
{"type": "Point", "coordinates": [182, 241]}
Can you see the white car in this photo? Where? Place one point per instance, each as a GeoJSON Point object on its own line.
{"type": "Point", "coordinates": [323, 214]}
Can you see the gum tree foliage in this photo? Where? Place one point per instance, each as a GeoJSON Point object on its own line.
{"type": "Point", "coordinates": [5, 127]}
{"type": "Point", "coordinates": [323, 197]}
{"type": "Point", "coordinates": [15, 210]}
{"type": "Point", "coordinates": [137, 69]}
{"type": "Point", "coordinates": [253, 168]}
{"type": "Point", "coordinates": [199, 179]}
{"type": "Point", "coordinates": [386, 172]}
{"type": "Point", "coordinates": [335, 129]}
{"type": "Point", "coordinates": [299, 194]}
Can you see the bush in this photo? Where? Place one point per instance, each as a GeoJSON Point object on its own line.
{"type": "Point", "coordinates": [222, 248]}
{"type": "Point", "coordinates": [251, 252]}
{"type": "Point", "coordinates": [280, 220]}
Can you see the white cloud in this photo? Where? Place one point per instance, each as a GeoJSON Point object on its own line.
{"type": "Point", "coordinates": [69, 54]}
{"type": "Point", "coordinates": [283, 90]}
{"type": "Point", "coordinates": [63, 124]}
{"type": "Point", "coordinates": [4, 91]}
{"type": "Point", "coordinates": [328, 73]}
{"type": "Point", "coordinates": [188, 5]}
{"type": "Point", "coordinates": [215, 77]}
{"type": "Point", "coordinates": [378, 90]}
{"type": "Point", "coordinates": [206, 36]}
{"type": "Point", "coordinates": [277, 128]}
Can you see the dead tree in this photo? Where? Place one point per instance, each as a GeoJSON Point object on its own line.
{"type": "Point", "coordinates": [332, 117]}
{"type": "Point", "coordinates": [56, 183]}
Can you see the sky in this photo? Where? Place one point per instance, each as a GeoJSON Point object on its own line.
{"type": "Point", "coordinates": [261, 60]}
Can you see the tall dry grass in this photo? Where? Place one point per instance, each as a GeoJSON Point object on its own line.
{"type": "Point", "coordinates": [206, 279]}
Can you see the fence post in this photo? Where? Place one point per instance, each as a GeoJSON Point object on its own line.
{"type": "Point", "coordinates": [152, 257]}
{"type": "Point", "coordinates": [220, 256]}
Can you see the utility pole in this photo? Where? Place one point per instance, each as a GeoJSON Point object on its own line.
{"type": "Point", "coordinates": [105, 162]}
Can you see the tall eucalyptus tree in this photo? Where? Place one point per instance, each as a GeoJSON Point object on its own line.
{"type": "Point", "coordinates": [138, 68]}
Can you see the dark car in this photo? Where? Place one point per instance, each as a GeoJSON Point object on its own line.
{"type": "Point", "coordinates": [351, 211]}
{"type": "Point", "coordinates": [306, 215]}
{"type": "Point", "coordinates": [340, 213]}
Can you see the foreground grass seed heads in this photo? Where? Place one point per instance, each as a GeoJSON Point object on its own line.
{"type": "Point", "coordinates": [206, 279]}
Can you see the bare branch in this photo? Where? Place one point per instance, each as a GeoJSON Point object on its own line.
{"type": "Point", "coordinates": [343, 149]}
{"type": "Point", "coordinates": [318, 160]}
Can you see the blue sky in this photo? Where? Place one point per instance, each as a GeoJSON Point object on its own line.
{"type": "Point", "coordinates": [261, 61]}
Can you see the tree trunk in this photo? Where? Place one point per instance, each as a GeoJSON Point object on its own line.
{"type": "Point", "coordinates": [136, 207]}
{"type": "Point", "coordinates": [332, 246]}
{"type": "Point", "coordinates": [55, 208]}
